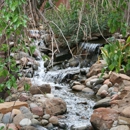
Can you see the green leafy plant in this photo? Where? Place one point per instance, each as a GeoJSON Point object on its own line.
{"type": "Point", "coordinates": [117, 55]}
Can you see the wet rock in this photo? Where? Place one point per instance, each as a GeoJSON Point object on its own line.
{"type": "Point", "coordinates": [8, 106]}
{"type": "Point", "coordinates": [103, 118]}
{"type": "Point", "coordinates": [54, 120]}
{"type": "Point", "coordinates": [103, 103]}
{"type": "Point", "coordinates": [96, 81]}
{"type": "Point", "coordinates": [37, 111]}
{"type": "Point", "coordinates": [55, 106]}
{"type": "Point", "coordinates": [96, 68]}
{"type": "Point", "coordinates": [120, 127]}
{"type": "Point", "coordinates": [44, 122]}
{"type": "Point", "coordinates": [103, 87]}
{"type": "Point", "coordinates": [40, 89]}
{"type": "Point", "coordinates": [82, 127]}
{"type": "Point", "coordinates": [25, 122]}
{"type": "Point", "coordinates": [88, 91]}
{"type": "Point", "coordinates": [78, 87]}
{"type": "Point", "coordinates": [7, 118]}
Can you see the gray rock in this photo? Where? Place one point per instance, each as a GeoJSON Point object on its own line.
{"type": "Point", "coordinates": [38, 127]}
{"type": "Point", "coordinates": [25, 122]}
{"type": "Point", "coordinates": [96, 81]}
{"type": "Point", "coordinates": [82, 127]}
{"type": "Point", "coordinates": [24, 109]}
{"type": "Point", "coordinates": [44, 122]}
{"type": "Point", "coordinates": [103, 103]}
{"type": "Point", "coordinates": [46, 116]}
{"type": "Point", "coordinates": [35, 122]}
{"type": "Point", "coordinates": [49, 126]}
{"type": "Point", "coordinates": [7, 118]}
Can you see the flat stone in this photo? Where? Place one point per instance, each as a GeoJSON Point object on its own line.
{"type": "Point", "coordinates": [78, 87]}
{"type": "Point", "coordinates": [123, 120]}
{"type": "Point", "coordinates": [25, 122]}
{"type": "Point", "coordinates": [8, 106]}
{"type": "Point", "coordinates": [88, 91]}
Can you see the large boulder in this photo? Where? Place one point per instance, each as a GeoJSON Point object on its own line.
{"type": "Point", "coordinates": [55, 106]}
{"type": "Point", "coordinates": [103, 118]}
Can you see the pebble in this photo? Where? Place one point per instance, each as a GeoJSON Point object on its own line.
{"type": "Point", "coordinates": [46, 116]}
{"type": "Point", "coordinates": [54, 120]}
{"type": "Point", "coordinates": [7, 118]}
{"type": "Point", "coordinates": [44, 122]}
{"type": "Point", "coordinates": [25, 122]}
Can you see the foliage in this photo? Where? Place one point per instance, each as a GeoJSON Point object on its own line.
{"type": "Point", "coordinates": [12, 24]}
{"type": "Point", "coordinates": [116, 15]}
{"type": "Point", "coordinates": [78, 22]}
{"type": "Point", "coordinates": [117, 55]}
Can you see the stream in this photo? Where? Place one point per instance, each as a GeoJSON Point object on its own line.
{"type": "Point", "coordinates": [79, 104]}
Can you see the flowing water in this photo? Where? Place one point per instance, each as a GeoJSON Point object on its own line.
{"type": "Point", "coordinates": [79, 104]}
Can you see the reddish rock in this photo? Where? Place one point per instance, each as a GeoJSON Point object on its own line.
{"type": "Point", "coordinates": [118, 78]}
{"type": "Point", "coordinates": [8, 106]}
{"type": "Point", "coordinates": [55, 106]}
{"type": "Point", "coordinates": [40, 89]}
{"type": "Point", "coordinates": [103, 118]}
{"type": "Point", "coordinates": [107, 81]}
{"type": "Point", "coordinates": [96, 68]}
{"type": "Point", "coordinates": [12, 127]}
{"type": "Point", "coordinates": [23, 97]}
{"type": "Point", "coordinates": [54, 120]}
{"type": "Point", "coordinates": [37, 111]}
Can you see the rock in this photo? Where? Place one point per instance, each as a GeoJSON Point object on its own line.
{"type": "Point", "coordinates": [78, 87]}
{"type": "Point", "coordinates": [44, 122]}
{"type": "Point", "coordinates": [11, 127]}
{"type": "Point", "coordinates": [25, 122]}
{"type": "Point", "coordinates": [82, 127]}
{"type": "Point", "coordinates": [23, 97]}
{"type": "Point", "coordinates": [2, 125]}
{"type": "Point", "coordinates": [46, 116]}
{"type": "Point", "coordinates": [35, 122]}
{"type": "Point", "coordinates": [38, 127]}
{"type": "Point", "coordinates": [123, 120]}
{"type": "Point", "coordinates": [54, 120]}
{"type": "Point", "coordinates": [20, 55]}
{"type": "Point", "coordinates": [120, 127]}
{"type": "Point", "coordinates": [48, 95]}
{"type": "Point", "coordinates": [8, 106]}
{"type": "Point", "coordinates": [18, 118]}
{"type": "Point", "coordinates": [40, 89]}
{"type": "Point", "coordinates": [103, 87]}
{"type": "Point", "coordinates": [24, 110]}
{"type": "Point", "coordinates": [28, 128]}
{"type": "Point", "coordinates": [24, 61]}
{"type": "Point", "coordinates": [126, 112]}
{"type": "Point", "coordinates": [103, 103]}
{"type": "Point", "coordinates": [55, 106]}
{"type": "Point", "coordinates": [103, 118]}
{"type": "Point", "coordinates": [107, 81]}
{"type": "Point", "coordinates": [1, 116]}
{"type": "Point", "coordinates": [15, 112]}
{"type": "Point", "coordinates": [37, 111]}
{"type": "Point", "coordinates": [88, 91]}
{"type": "Point", "coordinates": [49, 126]}
{"type": "Point", "coordinates": [88, 84]}
{"type": "Point", "coordinates": [7, 118]}
{"type": "Point", "coordinates": [96, 81]}
{"type": "Point", "coordinates": [28, 115]}
{"type": "Point", "coordinates": [103, 94]}
{"type": "Point", "coordinates": [96, 68]}
{"type": "Point", "coordinates": [118, 78]}
{"type": "Point", "coordinates": [96, 88]}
